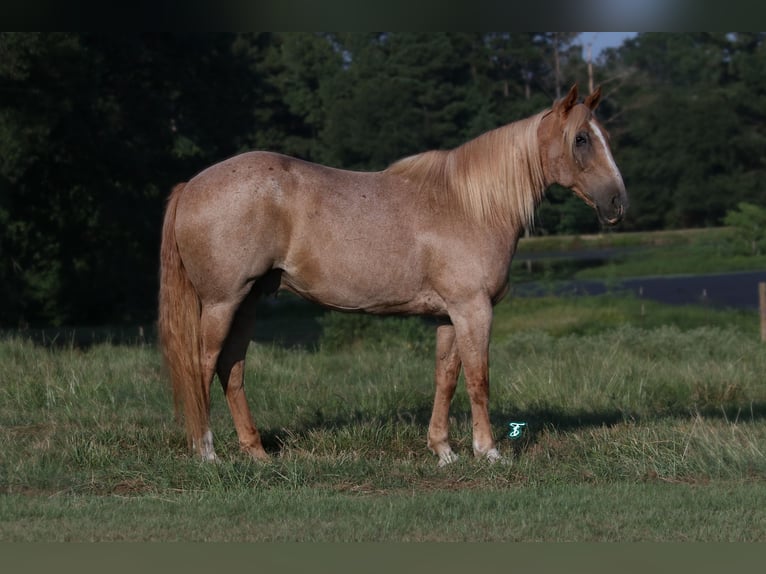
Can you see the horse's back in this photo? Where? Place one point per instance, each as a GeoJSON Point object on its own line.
{"type": "Point", "coordinates": [318, 225]}
{"type": "Point", "coordinates": [261, 176]}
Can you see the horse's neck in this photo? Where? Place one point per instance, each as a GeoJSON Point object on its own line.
{"type": "Point", "coordinates": [498, 177]}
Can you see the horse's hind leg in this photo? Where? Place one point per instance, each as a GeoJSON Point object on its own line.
{"type": "Point", "coordinates": [215, 322]}
{"type": "Point", "coordinates": [231, 372]}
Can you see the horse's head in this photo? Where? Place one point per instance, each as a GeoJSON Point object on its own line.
{"type": "Point", "coordinates": [576, 155]}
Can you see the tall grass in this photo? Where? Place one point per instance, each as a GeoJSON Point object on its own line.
{"type": "Point", "coordinates": [619, 407]}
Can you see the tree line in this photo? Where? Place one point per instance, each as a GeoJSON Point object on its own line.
{"type": "Point", "coordinates": [95, 129]}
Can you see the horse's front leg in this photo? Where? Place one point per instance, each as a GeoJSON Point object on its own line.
{"type": "Point", "coordinates": [447, 371]}
{"type": "Point", "coordinates": [473, 322]}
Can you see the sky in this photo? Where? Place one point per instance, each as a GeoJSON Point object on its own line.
{"type": "Point", "coordinates": [601, 40]}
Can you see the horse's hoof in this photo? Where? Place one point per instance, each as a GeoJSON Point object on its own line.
{"type": "Point", "coordinates": [446, 458]}
{"type": "Point", "coordinates": [259, 456]}
{"type": "Point", "coordinates": [209, 457]}
{"type": "Point", "coordinates": [493, 456]}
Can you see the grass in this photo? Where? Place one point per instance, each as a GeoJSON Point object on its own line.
{"type": "Point", "coordinates": [561, 316]}
{"type": "Point", "coordinates": [690, 251]}
{"type": "Point", "coordinates": [586, 513]}
{"type": "Point", "coordinates": [642, 424]}
{"type": "Point", "coordinates": [638, 239]}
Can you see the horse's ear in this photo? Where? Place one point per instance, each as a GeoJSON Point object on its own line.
{"type": "Point", "coordinates": [567, 102]}
{"type": "Point", "coordinates": [593, 100]}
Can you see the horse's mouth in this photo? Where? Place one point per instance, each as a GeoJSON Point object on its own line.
{"type": "Point", "coordinates": [615, 218]}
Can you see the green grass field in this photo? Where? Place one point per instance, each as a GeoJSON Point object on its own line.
{"type": "Point", "coordinates": [678, 252]}
{"type": "Point", "coordinates": [643, 423]}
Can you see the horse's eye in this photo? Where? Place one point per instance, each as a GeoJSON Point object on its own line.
{"type": "Point", "coordinates": [581, 139]}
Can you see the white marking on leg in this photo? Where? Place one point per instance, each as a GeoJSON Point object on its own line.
{"type": "Point", "coordinates": [493, 455]}
{"type": "Point", "coordinates": [447, 457]}
{"type": "Point", "coordinates": [207, 452]}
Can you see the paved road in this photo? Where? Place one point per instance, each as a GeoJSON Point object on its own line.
{"type": "Point", "coordinates": [738, 290]}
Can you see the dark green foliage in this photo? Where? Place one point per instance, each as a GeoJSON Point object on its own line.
{"type": "Point", "coordinates": [749, 221]}
{"type": "Point", "coordinates": [563, 212]}
{"type": "Point", "coordinates": [95, 129]}
{"type": "Point", "coordinates": [687, 123]}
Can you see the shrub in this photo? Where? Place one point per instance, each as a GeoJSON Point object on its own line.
{"type": "Point", "coordinates": [750, 222]}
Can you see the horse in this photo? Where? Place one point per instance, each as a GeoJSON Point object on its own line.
{"type": "Point", "coordinates": [431, 235]}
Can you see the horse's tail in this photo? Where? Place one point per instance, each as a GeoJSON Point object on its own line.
{"type": "Point", "coordinates": [179, 328]}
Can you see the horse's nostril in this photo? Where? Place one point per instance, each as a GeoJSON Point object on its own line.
{"type": "Point", "coordinates": [618, 205]}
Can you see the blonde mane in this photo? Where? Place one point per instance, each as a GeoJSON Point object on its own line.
{"type": "Point", "coordinates": [496, 179]}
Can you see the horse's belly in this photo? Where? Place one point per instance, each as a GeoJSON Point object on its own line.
{"type": "Point", "coordinates": [355, 292]}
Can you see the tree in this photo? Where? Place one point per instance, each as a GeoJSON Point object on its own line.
{"type": "Point", "coordinates": [750, 223]}
{"type": "Point", "coordinates": [94, 131]}
{"type": "Point", "coordinates": [687, 127]}
{"type": "Point", "coordinates": [402, 93]}
{"type": "Point", "coordinates": [298, 73]}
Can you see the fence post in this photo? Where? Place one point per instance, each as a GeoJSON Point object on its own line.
{"type": "Point", "coordinates": [762, 307]}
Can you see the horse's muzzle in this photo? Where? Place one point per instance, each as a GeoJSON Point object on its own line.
{"type": "Point", "coordinates": [614, 210]}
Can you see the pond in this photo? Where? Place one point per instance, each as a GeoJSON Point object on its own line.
{"type": "Point", "coordinates": [553, 273]}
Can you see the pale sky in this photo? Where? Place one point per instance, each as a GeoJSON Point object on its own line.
{"type": "Point", "coordinates": [601, 40]}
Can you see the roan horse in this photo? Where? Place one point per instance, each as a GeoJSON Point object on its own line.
{"type": "Point", "coordinates": [433, 234]}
